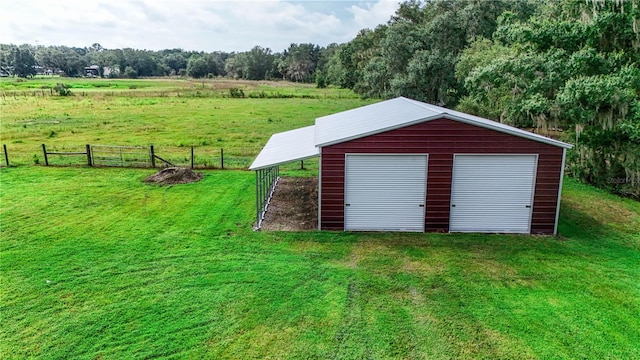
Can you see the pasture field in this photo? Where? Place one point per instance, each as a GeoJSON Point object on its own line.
{"type": "Point", "coordinates": [164, 87]}
{"type": "Point", "coordinates": [97, 264]}
{"type": "Point", "coordinates": [171, 114]}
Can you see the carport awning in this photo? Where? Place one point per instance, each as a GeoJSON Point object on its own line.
{"type": "Point", "coordinates": [286, 147]}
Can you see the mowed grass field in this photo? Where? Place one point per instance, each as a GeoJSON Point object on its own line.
{"type": "Point", "coordinates": [96, 264]}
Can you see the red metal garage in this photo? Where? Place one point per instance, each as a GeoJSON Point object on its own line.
{"type": "Point", "coordinates": [403, 165]}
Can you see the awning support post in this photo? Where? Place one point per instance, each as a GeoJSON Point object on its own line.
{"type": "Point", "coordinates": [266, 181]}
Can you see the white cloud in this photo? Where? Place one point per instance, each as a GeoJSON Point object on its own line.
{"type": "Point", "coordinates": [189, 24]}
{"type": "Point", "coordinates": [373, 14]}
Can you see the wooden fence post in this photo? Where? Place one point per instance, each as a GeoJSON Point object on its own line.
{"type": "Point", "coordinates": [6, 156]}
{"type": "Point", "coordinates": [89, 162]}
{"type": "Point", "coordinates": [221, 158]}
{"type": "Point", "coordinates": [44, 150]}
{"type": "Point", "coordinates": [191, 157]}
{"type": "Point", "coordinates": [153, 156]}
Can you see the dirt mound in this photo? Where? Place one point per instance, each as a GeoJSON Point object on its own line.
{"type": "Point", "coordinates": [294, 206]}
{"type": "Point", "coordinates": [174, 175]}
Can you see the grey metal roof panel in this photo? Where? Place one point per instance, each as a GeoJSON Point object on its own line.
{"type": "Point", "coordinates": [398, 113]}
{"type": "Point", "coordinates": [368, 120]}
{"type": "Point", "coordinates": [285, 147]}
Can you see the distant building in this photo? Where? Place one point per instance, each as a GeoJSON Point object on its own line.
{"type": "Point", "coordinates": [92, 71]}
{"type": "Point", "coordinates": [107, 71]}
{"type": "Point", "coordinates": [43, 71]}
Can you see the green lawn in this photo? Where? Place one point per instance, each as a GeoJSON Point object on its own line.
{"type": "Point", "coordinates": [95, 264]}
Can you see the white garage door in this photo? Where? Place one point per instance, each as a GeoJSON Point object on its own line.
{"type": "Point", "coordinates": [385, 192]}
{"type": "Point", "coordinates": [492, 193]}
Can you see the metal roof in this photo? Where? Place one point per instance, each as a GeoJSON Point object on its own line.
{"type": "Point", "coordinates": [285, 147]}
{"type": "Point", "coordinates": [304, 143]}
{"type": "Point", "coordinates": [398, 113]}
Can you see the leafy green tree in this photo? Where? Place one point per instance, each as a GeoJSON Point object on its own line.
{"type": "Point", "coordinates": [233, 66]}
{"type": "Point", "coordinates": [197, 67]}
{"type": "Point", "coordinates": [355, 55]}
{"type": "Point", "coordinates": [23, 62]}
{"type": "Point", "coordinates": [415, 53]}
{"type": "Point", "coordinates": [259, 64]}
{"type": "Point", "coordinates": [326, 53]}
{"type": "Point", "coordinates": [335, 72]}
{"type": "Point", "coordinates": [144, 62]}
{"type": "Point", "coordinates": [6, 58]}
{"type": "Point", "coordinates": [513, 84]}
{"type": "Point", "coordinates": [130, 73]}
{"type": "Point", "coordinates": [175, 61]}
{"type": "Point", "coordinates": [572, 66]}
{"type": "Point", "coordinates": [429, 77]}
{"type": "Point", "coordinates": [299, 62]}
{"type": "Point", "coordinates": [321, 79]}
{"type": "Point", "coordinates": [216, 62]}
{"type": "Point", "coordinates": [605, 112]}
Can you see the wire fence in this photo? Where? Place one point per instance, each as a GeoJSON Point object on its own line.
{"type": "Point", "coordinates": [206, 92]}
{"type": "Point", "coordinates": [121, 156]}
{"type": "Point", "coordinates": [142, 157]}
{"type": "Point", "coordinates": [103, 155]}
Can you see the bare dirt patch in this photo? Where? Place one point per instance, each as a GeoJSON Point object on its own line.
{"type": "Point", "coordinates": [173, 176]}
{"type": "Point", "coordinates": [294, 205]}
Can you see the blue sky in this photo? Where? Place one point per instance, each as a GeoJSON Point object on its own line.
{"type": "Point", "coordinates": [206, 25]}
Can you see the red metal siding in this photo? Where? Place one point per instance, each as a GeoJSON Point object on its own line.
{"type": "Point", "coordinates": [441, 139]}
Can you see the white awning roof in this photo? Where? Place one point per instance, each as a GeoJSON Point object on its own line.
{"type": "Point", "coordinates": [398, 113]}
{"type": "Point", "coordinates": [285, 147]}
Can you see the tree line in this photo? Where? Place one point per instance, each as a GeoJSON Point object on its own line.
{"type": "Point", "coordinates": [297, 63]}
{"type": "Point", "coordinates": [571, 66]}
